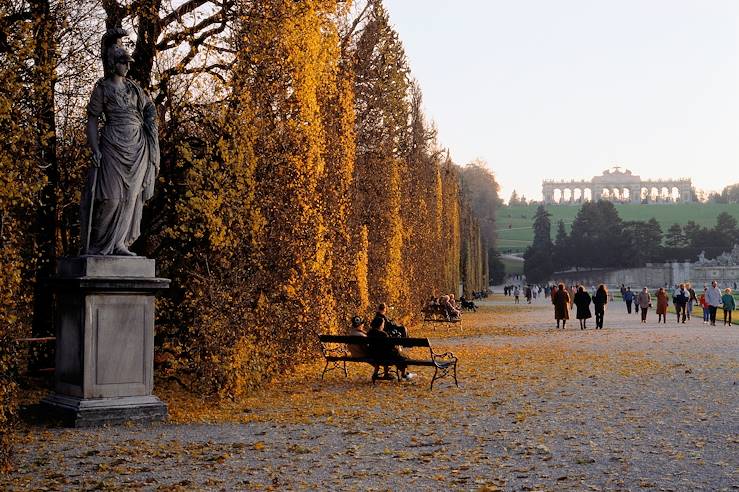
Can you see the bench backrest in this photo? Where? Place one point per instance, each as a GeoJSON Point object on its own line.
{"type": "Point", "coordinates": [438, 308]}
{"type": "Point", "coordinates": [355, 340]}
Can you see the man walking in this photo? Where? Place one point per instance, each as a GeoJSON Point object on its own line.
{"type": "Point", "coordinates": [713, 298]}
{"type": "Point", "coordinates": [680, 300]}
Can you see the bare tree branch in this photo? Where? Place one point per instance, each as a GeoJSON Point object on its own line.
{"type": "Point", "coordinates": [176, 38]}
{"type": "Point", "coordinates": [182, 10]}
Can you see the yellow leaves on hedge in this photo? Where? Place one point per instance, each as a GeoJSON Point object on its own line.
{"type": "Point", "coordinates": [20, 182]}
{"type": "Point", "coordinates": [296, 203]}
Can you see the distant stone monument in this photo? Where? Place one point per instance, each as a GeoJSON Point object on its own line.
{"type": "Point", "coordinates": [617, 185]}
{"type": "Point", "coordinates": [104, 313]}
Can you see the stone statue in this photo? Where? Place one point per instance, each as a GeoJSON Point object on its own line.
{"type": "Point", "coordinates": [735, 255]}
{"type": "Point", "coordinates": [125, 156]}
{"type": "Point", "coordinates": [702, 258]}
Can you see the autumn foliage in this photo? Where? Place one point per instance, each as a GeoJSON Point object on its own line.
{"type": "Point", "coordinates": [300, 182]}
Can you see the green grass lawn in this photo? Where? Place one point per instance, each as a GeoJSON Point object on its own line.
{"type": "Point", "coordinates": [514, 224]}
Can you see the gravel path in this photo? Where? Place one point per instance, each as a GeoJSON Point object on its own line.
{"type": "Point", "coordinates": [624, 408]}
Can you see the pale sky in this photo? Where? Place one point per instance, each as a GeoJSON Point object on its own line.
{"type": "Point", "coordinates": [567, 88]}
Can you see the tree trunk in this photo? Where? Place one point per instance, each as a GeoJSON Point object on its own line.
{"type": "Point", "coordinates": [45, 53]}
{"type": "Point", "coordinates": [150, 27]}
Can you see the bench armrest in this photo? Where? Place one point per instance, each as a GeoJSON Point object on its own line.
{"type": "Point", "coordinates": [446, 357]}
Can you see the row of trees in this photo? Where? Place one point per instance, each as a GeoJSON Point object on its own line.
{"type": "Point", "coordinates": [600, 239]}
{"type": "Point", "coordinates": [730, 194]}
{"type": "Point", "coordinates": [516, 200]}
{"type": "Point", "coordinates": [300, 181]}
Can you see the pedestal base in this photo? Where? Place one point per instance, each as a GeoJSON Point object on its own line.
{"type": "Point", "coordinates": [104, 319]}
{"type": "Point", "coordinates": [78, 412]}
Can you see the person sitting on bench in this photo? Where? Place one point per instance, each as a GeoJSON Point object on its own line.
{"type": "Point", "coordinates": [388, 352]}
{"type": "Point", "coordinates": [451, 311]}
{"type": "Point", "coordinates": [357, 350]}
{"type": "Point", "coordinates": [393, 330]}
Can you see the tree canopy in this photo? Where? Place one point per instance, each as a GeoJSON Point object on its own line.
{"type": "Point", "coordinates": [300, 183]}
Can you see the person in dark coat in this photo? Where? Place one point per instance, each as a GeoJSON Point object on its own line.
{"type": "Point", "coordinates": [561, 301]}
{"type": "Point", "coordinates": [600, 299]}
{"type": "Point", "coordinates": [388, 352]}
{"type": "Point", "coordinates": [680, 300]}
{"type": "Point", "coordinates": [392, 329]}
{"type": "Point", "coordinates": [582, 301]}
{"type": "Point", "coordinates": [628, 299]}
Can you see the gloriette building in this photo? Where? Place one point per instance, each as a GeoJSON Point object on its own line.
{"type": "Point", "coordinates": [618, 186]}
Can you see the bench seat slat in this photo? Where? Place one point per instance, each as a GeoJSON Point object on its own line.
{"type": "Point", "coordinates": [397, 342]}
{"type": "Point", "coordinates": [410, 362]}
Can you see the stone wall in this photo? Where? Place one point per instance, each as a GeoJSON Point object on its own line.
{"type": "Point", "coordinates": [654, 275]}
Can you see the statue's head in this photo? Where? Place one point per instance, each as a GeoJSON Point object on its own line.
{"type": "Point", "coordinates": [121, 61]}
{"type": "Point", "coordinates": [108, 45]}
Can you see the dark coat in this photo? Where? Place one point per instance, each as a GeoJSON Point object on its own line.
{"type": "Point", "coordinates": [389, 352]}
{"type": "Point", "coordinates": [561, 301]}
{"type": "Point", "coordinates": [681, 297]}
{"type": "Point", "coordinates": [390, 328]}
{"type": "Point", "coordinates": [600, 299]}
{"type": "Point", "coordinates": [582, 301]}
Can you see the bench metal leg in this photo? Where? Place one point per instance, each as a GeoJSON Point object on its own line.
{"type": "Point", "coordinates": [436, 371]}
{"type": "Point", "coordinates": [455, 375]}
{"type": "Point", "coordinates": [334, 365]}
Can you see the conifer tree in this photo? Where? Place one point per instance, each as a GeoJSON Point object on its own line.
{"type": "Point", "coordinates": [538, 264]}
{"type": "Point", "coordinates": [561, 248]}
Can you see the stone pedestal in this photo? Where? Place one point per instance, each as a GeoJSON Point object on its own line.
{"type": "Point", "coordinates": [104, 317]}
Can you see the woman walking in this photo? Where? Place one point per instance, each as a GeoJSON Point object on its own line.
{"type": "Point", "coordinates": [582, 301]}
{"type": "Point", "coordinates": [561, 301]}
{"type": "Point", "coordinates": [644, 300]}
{"type": "Point", "coordinates": [599, 305]}
{"type": "Point", "coordinates": [628, 299]}
{"type": "Point", "coordinates": [727, 300]}
{"type": "Point", "coordinates": [704, 305]}
{"type": "Point", "coordinates": [662, 303]}
{"type": "Point", "coordinates": [692, 300]}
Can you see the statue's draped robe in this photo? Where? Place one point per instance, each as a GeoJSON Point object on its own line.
{"type": "Point", "coordinates": [129, 146]}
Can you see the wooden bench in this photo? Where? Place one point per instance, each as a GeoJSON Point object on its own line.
{"type": "Point", "coordinates": [336, 352]}
{"type": "Point", "coordinates": [438, 314]}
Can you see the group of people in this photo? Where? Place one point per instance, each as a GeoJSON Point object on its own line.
{"type": "Point", "coordinates": [564, 299]}
{"type": "Point", "coordinates": [380, 327]}
{"type": "Point", "coordinates": [449, 304]}
{"type": "Point", "coordinates": [529, 292]}
{"type": "Point", "coordinates": [684, 299]}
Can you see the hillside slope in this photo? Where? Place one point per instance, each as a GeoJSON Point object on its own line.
{"type": "Point", "coordinates": [514, 223]}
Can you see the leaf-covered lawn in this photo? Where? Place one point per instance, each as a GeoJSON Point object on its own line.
{"type": "Point", "coordinates": [628, 407]}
